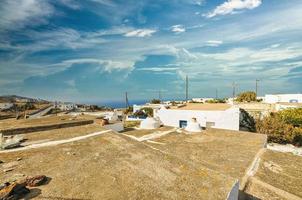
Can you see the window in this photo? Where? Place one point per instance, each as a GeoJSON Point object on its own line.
{"type": "Point", "coordinates": [183, 123]}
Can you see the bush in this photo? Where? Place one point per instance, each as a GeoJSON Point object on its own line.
{"type": "Point", "coordinates": [282, 127]}
{"type": "Point", "coordinates": [248, 96]}
{"type": "Point", "coordinates": [155, 101]}
{"type": "Point", "coordinates": [216, 101]}
{"type": "Point", "coordinates": [148, 111]}
{"type": "Point", "coordinates": [140, 114]}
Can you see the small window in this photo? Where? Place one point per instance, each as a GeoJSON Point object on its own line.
{"type": "Point", "coordinates": [210, 124]}
{"type": "Point", "coordinates": [183, 123]}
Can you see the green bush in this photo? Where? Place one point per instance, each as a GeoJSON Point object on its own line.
{"type": "Point", "coordinates": [282, 127]}
{"type": "Point", "coordinates": [155, 101]}
{"type": "Point", "coordinates": [248, 96]}
{"type": "Point", "coordinates": [148, 111]}
{"type": "Point", "coordinates": [216, 101]}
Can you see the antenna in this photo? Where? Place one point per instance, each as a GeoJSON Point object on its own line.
{"type": "Point", "coordinates": [159, 95]}
{"type": "Point", "coordinates": [234, 89]}
{"type": "Point", "coordinates": [257, 80]}
{"type": "Point", "coordinates": [187, 86]}
{"type": "Point", "coordinates": [126, 98]}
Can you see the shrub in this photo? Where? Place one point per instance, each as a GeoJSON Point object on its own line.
{"type": "Point", "coordinates": [148, 111]}
{"type": "Point", "coordinates": [155, 101]}
{"type": "Point", "coordinates": [216, 101]}
{"type": "Point", "coordinates": [246, 97]}
{"type": "Point", "coordinates": [282, 127]}
{"type": "Point", "coordinates": [140, 114]}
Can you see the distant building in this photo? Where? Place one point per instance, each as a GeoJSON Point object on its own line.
{"type": "Point", "coordinates": [5, 106]}
{"type": "Point", "coordinates": [147, 105]}
{"type": "Point", "coordinates": [66, 106]}
{"type": "Point", "coordinates": [283, 98]}
{"type": "Point", "coordinates": [216, 115]}
{"type": "Point", "coordinates": [284, 106]}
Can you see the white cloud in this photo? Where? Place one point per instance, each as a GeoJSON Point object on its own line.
{"type": "Point", "coordinates": [178, 28]}
{"type": "Point", "coordinates": [19, 13]}
{"type": "Point", "coordinates": [158, 69]}
{"type": "Point", "coordinates": [140, 33]}
{"type": "Point", "coordinates": [214, 43]}
{"type": "Point", "coordinates": [231, 6]}
{"type": "Point", "coordinates": [104, 65]}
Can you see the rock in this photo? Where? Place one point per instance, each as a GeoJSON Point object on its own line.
{"type": "Point", "coordinates": [35, 181]}
{"type": "Point", "coordinates": [8, 170]}
{"type": "Point", "coordinates": [1, 162]}
{"type": "Point", "coordinates": [18, 159]}
{"type": "Point", "coordinates": [10, 165]}
{"type": "Point", "coordinates": [13, 191]}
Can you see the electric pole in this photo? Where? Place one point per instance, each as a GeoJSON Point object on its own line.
{"type": "Point", "coordinates": [257, 80]}
{"type": "Point", "coordinates": [159, 95]}
{"type": "Point", "coordinates": [234, 89]}
{"type": "Point", "coordinates": [187, 85]}
{"type": "Point", "coordinates": [126, 99]}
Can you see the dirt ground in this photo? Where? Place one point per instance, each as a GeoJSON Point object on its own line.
{"type": "Point", "coordinates": [13, 123]}
{"type": "Point", "coordinates": [279, 170]}
{"type": "Point", "coordinates": [227, 152]}
{"type": "Point", "coordinates": [63, 133]}
{"type": "Point", "coordinates": [139, 133]}
{"type": "Point", "coordinates": [112, 166]}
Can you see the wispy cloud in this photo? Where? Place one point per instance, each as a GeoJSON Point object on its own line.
{"type": "Point", "coordinates": [20, 13]}
{"type": "Point", "coordinates": [178, 28]}
{"type": "Point", "coordinates": [214, 43]}
{"type": "Point", "coordinates": [141, 33]}
{"type": "Point", "coordinates": [231, 6]}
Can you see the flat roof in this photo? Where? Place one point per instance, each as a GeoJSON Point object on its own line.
{"type": "Point", "coordinates": [278, 177]}
{"type": "Point", "coordinates": [203, 106]}
{"type": "Point", "coordinates": [114, 166]}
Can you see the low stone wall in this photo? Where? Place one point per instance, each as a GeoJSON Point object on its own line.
{"type": "Point", "coordinates": [2, 117]}
{"type": "Point", "coordinates": [23, 130]}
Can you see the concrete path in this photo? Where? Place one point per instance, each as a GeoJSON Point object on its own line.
{"type": "Point", "coordinates": [41, 112]}
{"type": "Point", "coordinates": [55, 143]}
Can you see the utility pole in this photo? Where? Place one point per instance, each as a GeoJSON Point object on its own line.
{"type": "Point", "coordinates": [257, 80]}
{"type": "Point", "coordinates": [216, 93]}
{"type": "Point", "coordinates": [234, 89]}
{"type": "Point", "coordinates": [126, 98]}
{"type": "Point", "coordinates": [159, 95]}
{"type": "Point", "coordinates": [187, 86]}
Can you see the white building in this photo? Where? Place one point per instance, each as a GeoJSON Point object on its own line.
{"type": "Point", "coordinates": [221, 116]}
{"type": "Point", "coordinates": [66, 106]}
{"type": "Point", "coordinates": [148, 105]}
{"type": "Point", "coordinates": [149, 123]}
{"type": "Point", "coordinates": [284, 106]}
{"type": "Point", "coordinates": [5, 106]}
{"type": "Point", "coordinates": [283, 98]}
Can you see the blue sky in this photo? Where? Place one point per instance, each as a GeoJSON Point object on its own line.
{"type": "Point", "coordinates": [95, 50]}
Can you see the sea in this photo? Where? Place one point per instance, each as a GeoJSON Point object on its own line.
{"type": "Point", "coordinates": [120, 104]}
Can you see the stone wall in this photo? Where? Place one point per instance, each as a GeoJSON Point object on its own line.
{"type": "Point", "coordinates": [23, 130]}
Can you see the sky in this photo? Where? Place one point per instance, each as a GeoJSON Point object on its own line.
{"type": "Point", "coordinates": [96, 50]}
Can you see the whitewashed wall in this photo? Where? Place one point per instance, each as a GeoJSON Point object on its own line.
{"type": "Point", "coordinates": [271, 98]}
{"type": "Point", "coordinates": [228, 119]}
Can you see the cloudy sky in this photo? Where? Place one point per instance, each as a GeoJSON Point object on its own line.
{"type": "Point", "coordinates": [95, 50]}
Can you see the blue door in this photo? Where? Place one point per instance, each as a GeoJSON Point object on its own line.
{"type": "Point", "coordinates": [183, 123]}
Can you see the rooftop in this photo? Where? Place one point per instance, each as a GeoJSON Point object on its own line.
{"type": "Point", "coordinates": [204, 106]}
{"type": "Point", "coordinates": [114, 166]}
